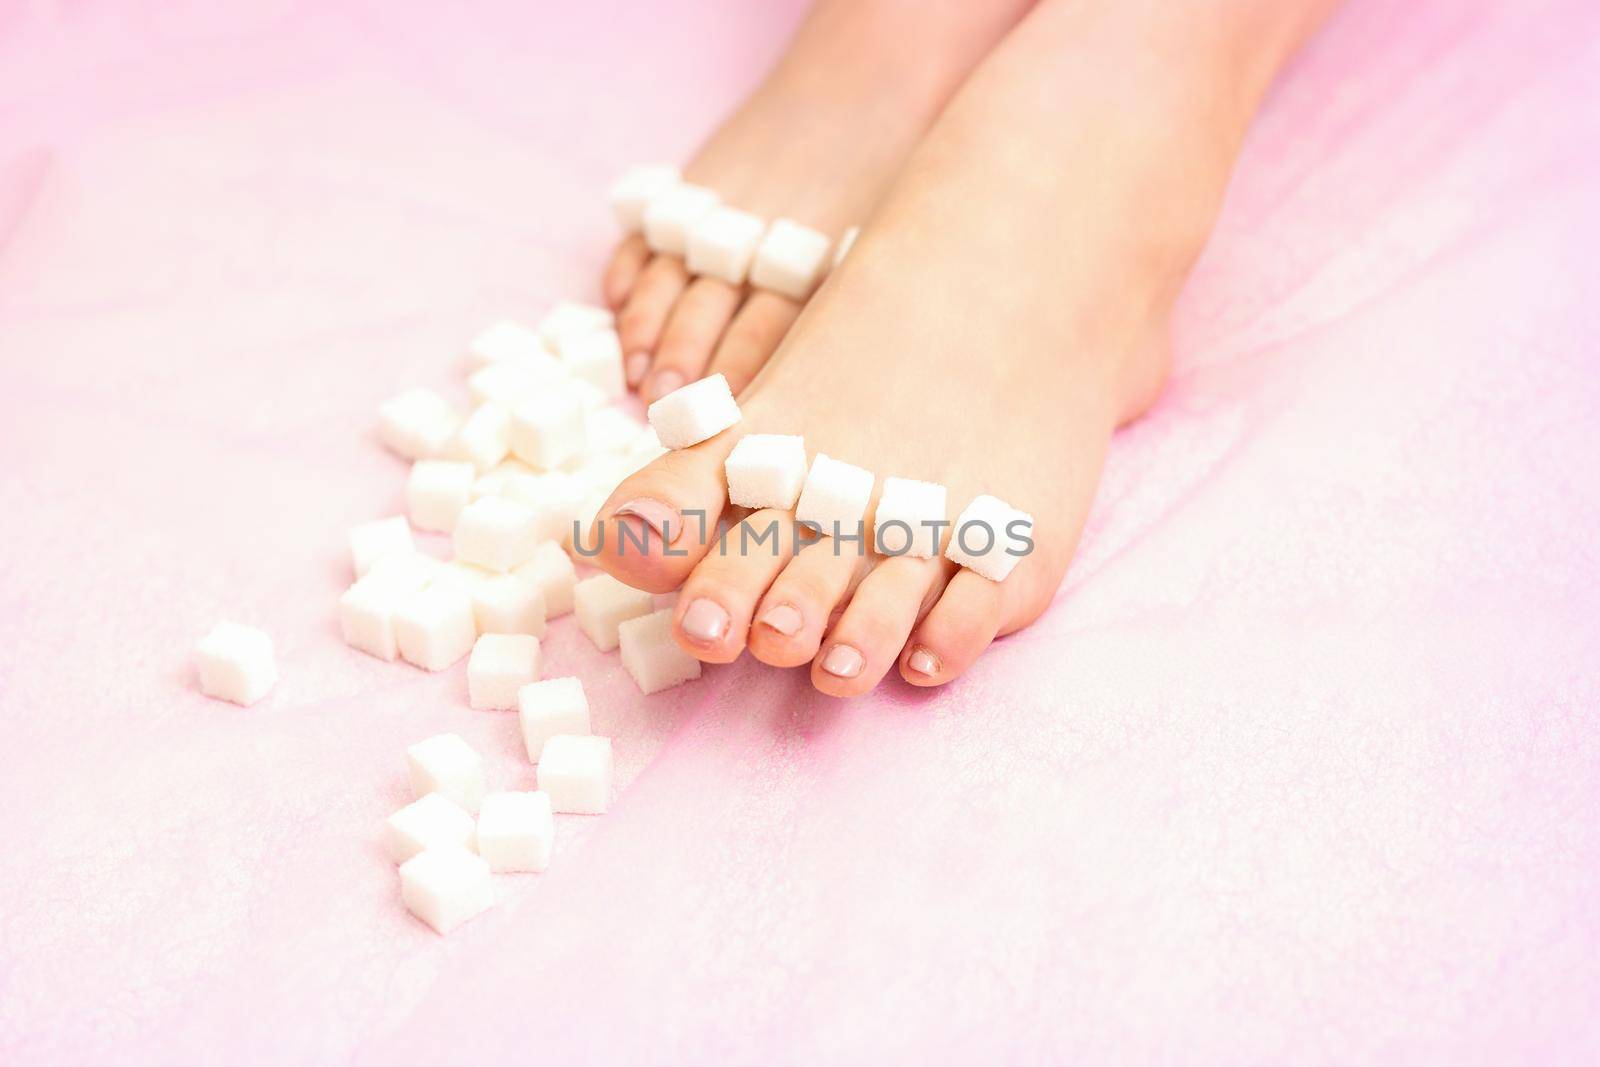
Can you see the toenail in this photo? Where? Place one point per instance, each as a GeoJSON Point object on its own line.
{"type": "Point", "coordinates": [704, 621]}
{"type": "Point", "coordinates": [924, 662]}
{"type": "Point", "coordinates": [842, 661]}
{"type": "Point", "coordinates": [784, 619]}
{"type": "Point", "coordinates": [638, 363]}
{"type": "Point", "coordinates": [658, 516]}
{"type": "Point", "coordinates": [666, 382]}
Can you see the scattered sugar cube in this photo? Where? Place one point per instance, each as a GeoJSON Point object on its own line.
{"type": "Point", "coordinates": [447, 765]}
{"type": "Point", "coordinates": [846, 243]}
{"type": "Point", "coordinates": [672, 212]}
{"type": "Point", "coordinates": [766, 470]}
{"type": "Point", "coordinates": [552, 571]}
{"type": "Point", "coordinates": [367, 609]}
{"type": "Point", "coordinates": [632, 193]}
{"type": "Point", "coordinates": [651, 655]}
{"type": "Point", "coordinates": [417, 424]}
{"type": "Point", "coordinates": [428, 822]}
{"type": "Point", "coordinates": [551, 497]}
{"type": "Point", "coordinates": [495, 533]}
{"type": "Point", "coordinates": [611, 430]}
{"type": "Point", "coordinates": [507, 604]}
{"type": "Point", "coordinates": [500, 665]}
{"type": "Point", "coordinates": [435, 627]}
{"type": "Point", "coordinates": [516, 831]}
{"type": "Point", "coordinates": [371, 541]}
{"type": "Point", "coordinates": [484, 439]}
{"type": "Point", "coordinates": [493, 481]}
{"type": "Point", "coordinates": [444, 887]}
{"type": "Point", "coordinates": [694, 412]}
{"type": "Point", "coordinates": [987, 535]}
{"type": "Point", "coordinates": [553, 706]}
{"type": "Point", "coordinates": [595, 356]}
{"type": "Point", "coordinates": [835, 497]}
{"type": "Point", "coordinates": [513, 380]}
{"type": "Point", "coordinates": [603, 603]}
{"type": "Point", "coordinates": [503, 340]}
{"type": "Point", "coordinates": [437, 491]}
{"type": "Point", "coordinates": [236, 663]}
{"type": "Point", "coordinates": [790, 259]}
{"type": "Point", "coordinates": [722, 242]}
{"type": "Point", "coordinates": [916, 504]}
{"type": "Point", "coordinates": [575, 772]}
{"type": "Point", "coordinates": [572, 317]}
{"type": "Point", "coordinates": [468, 576]}
{"type": "Point", "coordinates": [547, 429]}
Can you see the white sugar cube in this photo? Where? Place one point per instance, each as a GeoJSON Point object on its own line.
{"type": "Point", "coordinates": [990, 537]}
{"type": "Point", "coordinates": [495, 533]}
{"type": "Point", "coordinates": [553, 706]}
{"type": "Point", "coordinates": [516, 831]}
{"type": "Point", "coordinates": [547, 429]}
{"type": "Point", "coordinates": [632, 193]}
{"type": "Point", "coordinates": [435, 627]}
{"type": "Point", "coordinates": [428, 822]}
{"type": "Point", "coordinates": [508, 604]}
{"type": "Point", "coordinates": [493, 481]}
{"type": "Point", "coordinates": [595, 356]}
{"type": "Point", "coordinates": [468, 576]}
{"type": "Point", "coordinates": [552, 498]}
{"type": "Point", "coordinates": [511, 381]}
{"type": "Point", "coordinates": [437, 491]}
{"type": "Point", "coordinates": [572, 317]}
{"type": "Point", "coordinates": [835, 497]}
{"type": "Point", "coordinates": [722, 242]}
{"type": "Point", "coordinates": [552, 571]}
{"type": "Point", "coordinates": [417, 424]}
{"type": "Point", "coordinates": [575, 772]}
{"type": "Point", "coordinates": [790, 259]}
{"type": "Point", "coordinates": [694, 412]}
{"type": "Point", "coordinates": [673, 212]}
{"type": "Point", "coordinates": [447, 765]}
{"type": "Point", "coordinates": [371, 541]}
{"type": "Point", "coordinates": [846, 243]}
{"type": "Point", "coordinates": [500, 665]}
{"type": "Point", "coordinates": [907, 518]}
{"type": "Point", "coordinates": [236, 663]}
{"type": "Point", "coordinates": [444, 887]}
{"type": "Point", "coordinates": [367, 609]}
{"type": "Point", "coordinates": [484, 438]}
{"type": "Point", "coordinates": [766, 470]}
{"type": "Point", "coordinates": [603, 603]}
{"type": "Point", "coordinates": [611, 430]}
{"type": "Point", "coordinates": [503, 340]}
{"type": "Point", "coordinates": [650, 654]}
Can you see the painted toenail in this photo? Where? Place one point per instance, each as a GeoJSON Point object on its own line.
{"type": "Point", "coordinates": [924, 662]}
{"type": "Point", "coordinates": [842, 661]}
{"type": "Point", "coordinates": [638, 363]}
{"type": "Point", "coordinates": [666, 382]}
{"type": "Point", "coordinates": [784, 619]}
{"type": "Point", "coordinates": [704, 621]}
{"type": "Point", "coordinates": [658, 516]}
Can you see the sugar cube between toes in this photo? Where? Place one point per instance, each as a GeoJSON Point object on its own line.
{"type": "Point", "coordinates": [417, 424]}
{"type": "Point", "coordinates": [516, 831]}
{"type": "Point", "coordinates": [632, 193]}
{"type": "Point", "coordinates": [371, 541]}
{"type": "Point", "coordinates": [548, 708]}
{"type": "Point", "coordinates": [431, 821]}
{"type": "Point", "coordinates": [447, 765]}
{"type": "Point", "coordinates": [602, 604]}
{"type": "Point", "coordinates": [694, 412]}
{"type": "Point", "coordinates": [835, 496]}
{"type": "Point", "coordinates": [990, 537]}
{"type": "Point", "coordinates": [435, 627]}
{"type": "Point", "coordinates": [671, 214]}
{"type": "Point", "coordinates": [650, 654]}
{"type": "Point", "coordinates": [722, 242]}
{"type": "Point", "coordinates": [766, 470]}
{"type": "Point", "coordinates": [436, 492]}
{"type": "Point", "coordinates": [575, 773]}
{"type": "Point", "coordinates": [495, 533]}
{"type": "Point", "coordinates": [909, 518]}
{"type": "Point", "coordinates": [236, 663]}
{"type": "Point", "coordinates": [446, 886]}
{"type": "Point", "coordinates": [500, 665]}
{"type": "Point", "coordinates": [790, 259]}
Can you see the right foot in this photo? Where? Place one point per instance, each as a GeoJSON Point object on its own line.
{"type": "Point", "coordinates": [817, 142]}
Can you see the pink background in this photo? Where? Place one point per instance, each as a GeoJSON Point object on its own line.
{"type": "Point", "coordinates": [1303, 763]}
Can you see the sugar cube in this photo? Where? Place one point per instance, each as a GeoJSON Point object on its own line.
{"type": "Point", "coordinates": [236, 663]}
{"type": "Point", "coordinates": [447, 765]}
{"type": "Point", "coordinates": [632, 193]}
{"type": "Point", "coordinates": [417, 424]}
{"type": "Point", "coordinates": [493, 481]}
{"type": "Point", "coordinates": [500, 341]}
{"type": "Point", "coordinates": [835, 496]}
{"type": "Point", "coordinates": [575, 772]}
{"type": "Point", "coordinates": [694, 412]}
{"type": "Point", "coordinates": [552, 571]}
{"type": "Point", "coordinates": [434, 627]}
{"type": "Point", "coordinates": [650, 654]}
{"type": "Point", "coordinates": [428, 822]}
{"type": "Point", "coordinates": [603, 603]}
{"type": "Point", "coordinates": [766, 470]}
{"type": "Point", "coordinates": [495, 533]}
{"type": "Point", "coordinates": [547, 428]}
{"type": "Point", "coordinates": [790, 259]}
{"type": "Point", "coordinates": [513, 380]}
{"type": "Point", "coordinates": [500, 665]}
{"type": "Point", "coordinates": [553, 706]}
{"type": "Point", "coordinates": [508, 604]}
{"type": "Point", "coordinates": [551, 497]}
{"type": "Point", "coordinates": [908, 518]}
{"type": "Point", "coordinates": [367, 609]}
{"type": "Point", "coordinates": [611, 430]}
{"type": "Point", "coordinates": [722, 242]}
{"type": "Point", "coordinates": [569, 317]}
{"type": "Point", "coordinates": [846, 243]}
{"type": "Point", "coordinates": [371, 541]}
{"type": "Point", "coordinates": [990, 537]}
{"type": "Point", "coordinates": [484, 438]}
{"type": "Point", "coordinates": [595, 356]}
{"type": "Point", "coordinates": [444, 887]}
{"type": "Point", "coordinates": [437, 491]}
{"type": "Point", "coordinates": [468, 576]}
{"type": "Point", "coordinates": [516, 831]}
{"type": "Point", "coordinates": [672, 212]}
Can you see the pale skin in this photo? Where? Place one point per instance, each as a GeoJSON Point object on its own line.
{"type": "Point", "coordinates": [1005, 309]}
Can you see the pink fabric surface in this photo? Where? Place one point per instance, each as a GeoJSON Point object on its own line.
{"type": "Point", "coordinates": [1302, 764]}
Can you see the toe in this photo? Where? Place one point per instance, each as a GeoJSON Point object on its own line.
{"type": "Point", "coordinates": [795, 612]}
{"type": "Point", "coordinates": [623, 270]}
{"type": "Point", "coordinates": [719, 596]}
{"type": "Point", "coordinates": [752, 337]}
{"type": "Point", "coordinates": [690, 335]}
{"type": "Point", "coordinates": [640, 321]}
{"type": "Point", "coordinates": [863, 645]}
{"type": "Point", "coordinates": [968, 615]}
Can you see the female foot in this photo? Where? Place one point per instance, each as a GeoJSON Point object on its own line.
{"type": "Point", "coordinates": [1005, 311]}
{"type": "Point", "coordinates": [817, 142]}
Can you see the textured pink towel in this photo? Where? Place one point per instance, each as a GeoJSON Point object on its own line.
{"type": "Point", "coordinates": [1303, 763]}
